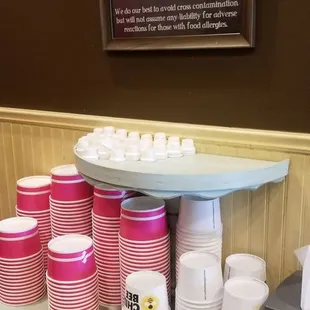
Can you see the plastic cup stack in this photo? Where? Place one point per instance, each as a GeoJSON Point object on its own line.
{"type": "Point", "coordinates": [33, 201]}
{"type": "Point", "coordinates": [200, 283]}
{"type": "Point", "coordinates": [22, 274]}
{"type": "Point", "coordinates": [71, 202]}
{"type": "Point", "coordinates": [72, 280]}
{"type": "Point", "coordinates": [245, 265]}
{"type": "Point", "coordinates": [146, 290]}
{"type": "Point", "coordinates": [243, 293]}
{"type": "Point", "coordinates": [144, 239]}
{"type": "Point", "coordinates": [199, 227]}
{"type": "Point", "coordinates": [106, 225]}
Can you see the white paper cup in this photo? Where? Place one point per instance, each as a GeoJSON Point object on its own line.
{"type": "Point", "coordinates": [147, 289]}
{"type": "Point", "coordinates": [199, 215]}
{"type": "Point", "coordinates": [244, 293]}
{"type": "Point", "coordinates": [200, 277]}
{"type": "Point", "coordinates": [245, 265]}
{"type": "Point", "coordinates": [187, 304]}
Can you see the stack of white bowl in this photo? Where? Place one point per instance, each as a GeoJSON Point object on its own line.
{"type": "Point", "coordinates": [200, 283]}
{"type": "Point", "coordinates": [199, 227]}
{"type": "Point", "coordinates": [245, 286]}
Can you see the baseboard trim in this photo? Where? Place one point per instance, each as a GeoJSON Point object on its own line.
{"type": "Point", "coordinates": [262, 139]}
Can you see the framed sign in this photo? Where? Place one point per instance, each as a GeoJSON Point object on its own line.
{"type": "Point", "coordinates": [177, 24]}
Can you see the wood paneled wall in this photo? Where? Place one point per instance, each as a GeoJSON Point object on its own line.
{"type": "Point", "coordinates": [270, 222]}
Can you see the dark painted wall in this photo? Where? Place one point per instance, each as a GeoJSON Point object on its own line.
{"type": "Point", "coordinates": [51, 58]}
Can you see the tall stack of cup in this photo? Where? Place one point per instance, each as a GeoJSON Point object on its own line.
{"type": "Point", "coordinates": [72, 280]}
{"type": "Point", "coordinates": [106, 224]}
{"type": "Point", "coordinates": [200, 282]}
{"type": "Point", "coordinates": [71, 202]}
{"type": "Point", "coordinates": [146, 290]}
{"type": "Point", "coordinates": [33, 201]}
{"type": "Point", "coordinates": [22, 274]}
{"type": "Point", "coordinates": [199, 227]}
{"type": "Point", "coordinates": [144, 238]}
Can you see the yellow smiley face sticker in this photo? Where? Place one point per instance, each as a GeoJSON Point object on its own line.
{"type": "Point", "coordinates": [150, 303]}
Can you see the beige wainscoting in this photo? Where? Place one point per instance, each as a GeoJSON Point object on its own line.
{"type": "Point", "coordinates": [270, 222]}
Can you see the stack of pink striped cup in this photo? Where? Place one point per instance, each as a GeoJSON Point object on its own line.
{"type": "Point", "coordinates": [71, 202]}
{"type": "Point", "coordinates": [72, 280]}
{"type": "Point", "coordinates": [144, 239]}
{"type": "Point", "coordinates": [33, 201]}
{"type": "Point", "coordinates": [22, 274]}
{"type": "Point", "coordinates": [106, 224]}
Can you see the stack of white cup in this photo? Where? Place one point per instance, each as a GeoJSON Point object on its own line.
{"type": "Point", "coordinates": [245, 286]}
{"type": "Point", "coordinates": [244, 293]}
{"type": "Point", "coordinates": [146, 290]}
{"type": "Point", "coordinates": [200, 283]}
{"type": "Point", "coordinates": [199, 227]}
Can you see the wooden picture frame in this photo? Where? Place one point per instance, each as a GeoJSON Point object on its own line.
{"type": "Point", "coordinates": [244, 39]}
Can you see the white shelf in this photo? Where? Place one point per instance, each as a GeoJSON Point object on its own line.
{"type": "Point", "coordinates": [203, 175]}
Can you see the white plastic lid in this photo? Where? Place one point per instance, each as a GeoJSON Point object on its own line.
{"type": "Point", "coordinates": [173, 139]}
{"type": "Point", "coordinates": [133, 148]}
{"type": "Point", "coordinates": [34, 181]}
{"type": "Point", "coordinates": [147, 136]}
{"type": "Point", "coordinates": [17, 224]}
{"type": "Point", "coordinates": [107, 142]}
{"type": "Point", "coordinates": [122, 132]}
{"type": "Point", "coordinates": [160, 135]}
{"type": "Point", "coordinates": [174, 149]}
{"type": "Point", "coordinates": [104, 153]}
{"type": "Point", "coordinates": [160, 149]}
{"type": "Point", "coordinates": [160, 143]}
{"type": "Point", "coordinates": [109, 130]}
{"type": "Point", "coordinates": [187, 143]}
{"type": "Point", "coordinates": [98, 130]}
{"type": "Point", "coordinates": [145, 144]}
{"type": "Point", "coordinates": [148, 155]}
{"type": "Point", "coordinates": [70, 244]}
{"type": "Point", "coordinates": [118, 155]}
{"type": "Point", "coordinates": [91, 151]}
{"type": "Point", "coordinates": [134, 135]}
{"type": "Point", "coordinates": [65, 170]}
